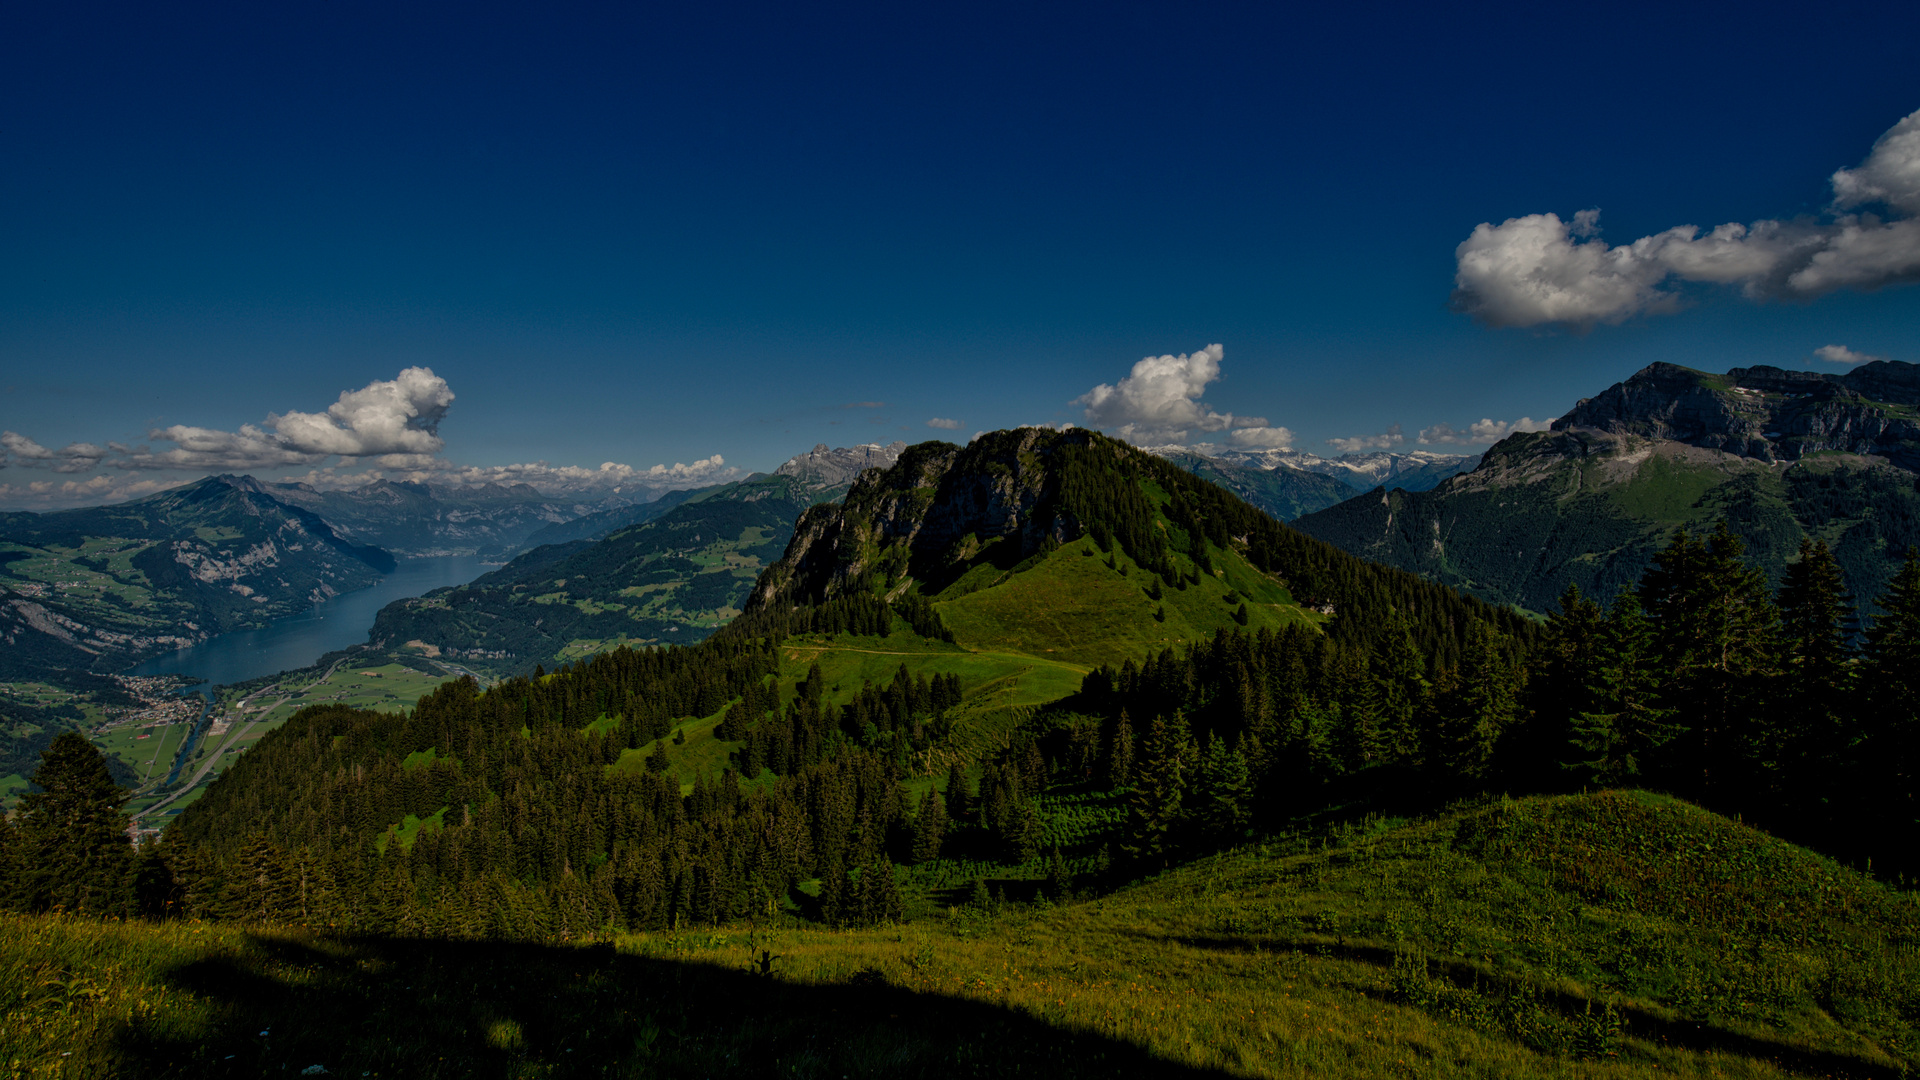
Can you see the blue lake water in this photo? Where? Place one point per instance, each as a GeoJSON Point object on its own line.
{"type": "Point", "coordinates": [299, 640]}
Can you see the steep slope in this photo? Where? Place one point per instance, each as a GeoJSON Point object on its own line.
{"type": "Point", "coordinates": [104, 587]}
{"type": "Point", "coordinates": [1778, 455]}
{"type": "Point", "coordinates": [670, 580]}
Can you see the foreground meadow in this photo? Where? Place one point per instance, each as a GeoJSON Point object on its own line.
{"type": "Point", "coordinates": [1619, 934]}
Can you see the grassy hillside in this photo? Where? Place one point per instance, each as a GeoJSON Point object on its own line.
{"type": "Point", "coordinates": [671, 580]}
{"type": "Point", "coordinates": [1614, 934]}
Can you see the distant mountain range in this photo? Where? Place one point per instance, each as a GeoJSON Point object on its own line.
{"type": "Point", "coordinates": [1779, 455]}
{"type": "Point", "coordinates": [1288, 484]}
{"type": "Point", "coordinates": [105, 587]}
{"type": "Point", "coordinates": [671, 579]}
{"type": "Point", "coordinates": [416, 519]}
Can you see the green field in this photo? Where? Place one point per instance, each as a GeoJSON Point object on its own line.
{"type": "Point", "coordinates": [1074, 607]}
{"type": "Point", "coordinates": [1610, 935]}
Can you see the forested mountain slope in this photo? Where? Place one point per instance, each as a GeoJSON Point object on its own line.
{"type": "Point", "coordinates": [1780, 456]}
{"type": "Point", "coordinates": [102, 588]}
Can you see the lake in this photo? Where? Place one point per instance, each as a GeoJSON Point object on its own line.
{"type": "Point", "coordinates": [299, 640]}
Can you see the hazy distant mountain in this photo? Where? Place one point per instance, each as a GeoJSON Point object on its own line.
{"type": "Point", "coordinates": [103, 587]}
{"type": "Point", "coordinates": [601, 523]}
{"type": "Point", "coordinates": [1283, 491]}
{"type": "Point", "coordinates": [1414, 470]}
{"type": "Point", "coordinates": [1779, 455]}
{"type": "Point", "coordinates": [413, 519]}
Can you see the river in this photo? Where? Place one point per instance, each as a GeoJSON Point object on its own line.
{"type": "Point", "coordinates": [299, 640]}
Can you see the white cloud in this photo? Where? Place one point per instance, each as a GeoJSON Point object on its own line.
{"type": "Point", "coordinates": [1538, 269]}
{"type": "Point", "coordinates": [1840, 354]}
{"type": "Point", "coordinates": [1890, 175]}
{"type": "Point", "coordinates": [1386, 440]}
{"type": "Point", "coordinates": [386, 417]}
{"type": "Point", "coordinates": [1480, 432]}
{"type": "Point", "coordinates": [1262, 438]}
{"type": "Point", "coordinates": [944, 425]}
{"type": "Point", "coordinates": [93, 491]}
{"type": "Point", "coordinates": [1159, 400]}
{"type": "Point", "coordinates": [610, 478]}
{"type": "Point", "coordinates": [72, 458]}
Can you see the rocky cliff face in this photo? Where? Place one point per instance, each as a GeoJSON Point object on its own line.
{"type": "Point", "coordinates": [821, 470]}
{"type": "Point", "coordinates": [940, 503]}
{"type": "Point", "coordinates": [1766, 413]}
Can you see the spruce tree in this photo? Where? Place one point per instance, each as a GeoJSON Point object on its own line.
{"type": "Point", "coordinates": [1715, 626]}
{"type": "Point", "coordinates": [1119, 761]}
{"type": "Point", "coordinates": [1889, 747]}
{"type": "Point", "coordinates": [1812, 708]}
{"type": "Point", "coordinates": [958, 806]}
{"type": "Point", "coordinates": [1154, 804]}
{"type": "Point", "coordinates": [1479, 705]}
{"type": "Point", "coordinates": [1626, 725]}
{"type": "Point", "coordinates": [74, 843]}
{"type": "Point", "coordinates": [929, 827]}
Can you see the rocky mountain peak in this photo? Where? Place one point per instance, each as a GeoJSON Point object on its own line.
{"type": "Point", "coordinates": [821, 468]}
{"type": "Point", "coordinates": [1763, 412]}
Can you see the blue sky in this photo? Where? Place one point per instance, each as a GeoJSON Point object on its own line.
{"type": "Point", "coordinates": [653, 235]}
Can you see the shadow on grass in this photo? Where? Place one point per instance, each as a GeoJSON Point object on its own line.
{"type": "Point", "coordinates": [408, 1008]}
{"type": "Point", "coordinates": [1639, 1023]}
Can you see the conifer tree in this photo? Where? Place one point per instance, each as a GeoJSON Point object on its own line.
{"type": "Point", "coordinates": [73, 835]}
{"type": "Point", "coordinates": [1119, 759]}
{"type": "Point", "coordinates": [929, 827]}
{"type": "Point", "coordinates": [1224, 793]}
{"type": "Point", "coordinates": [1478, 707]}
{"type": "Point", "coordinates": [958, 806]}
{"type": "Point", "coordinates": [1890, 743]}
{"type": "Point", "coordinates": [1715, 628]}
{"type": "Point", "coordinates": [1814, 703]}
{"type": "Point", "coordinates": [1154, 803]}
{"type": "Point", "coordinates": [1626, 724]}
{"type": "Point", "coordinates": [10, 870]}
{"type": "Point", "coordinates": [1059, 880]}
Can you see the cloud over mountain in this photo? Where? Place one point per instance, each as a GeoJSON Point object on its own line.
{"type": "Point", "coordinates": [1539, 269]}
{"type": "Point", "coordinates": [73, 457]}
{"type": "Point", "coordinates": [1840, 354]}
{"type": "Point", "coordinates": [1159, 400]}
{"type": "Point", "coordinates": [1386, 440]}
{"type": "Point", "coordinates": [399, 416]}
{"type": "Point", "coordinates": [1480, 432]}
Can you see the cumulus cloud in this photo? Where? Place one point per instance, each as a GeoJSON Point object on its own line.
{"type": "Point", "coordinates": [72, 458]}
{"type": "Point", "coordinates": [943, 424]}
{"type": "Point", "coordinates": [1386, 440]}
{"type": "Point", "coordinates": [1159, 400]}
{"type": "Point", "coordinates": [93, 491]}
{"type": "Point", "coordinates": [1539, 269]}
{"type": "Point", "coordinates": [1480, 432]}
{"type": "Point", "coordinates": [1262, 438]}
{"type": "Point", "coordinates": [1840, 354]}
{"type": "Point", "coordinates": [399, 416]}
